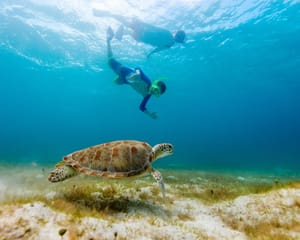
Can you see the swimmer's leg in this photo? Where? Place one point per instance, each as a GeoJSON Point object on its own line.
{"type": "Point", "coordinates": [120, 70]}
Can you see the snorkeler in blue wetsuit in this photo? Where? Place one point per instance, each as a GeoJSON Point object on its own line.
{"type": "Point", "coordinates": [135, 78]}
{"type": "Point", "coordinates": [158, 37]}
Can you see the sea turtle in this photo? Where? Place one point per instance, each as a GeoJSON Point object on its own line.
{"type": "Point", "coordinates": [117, 159]}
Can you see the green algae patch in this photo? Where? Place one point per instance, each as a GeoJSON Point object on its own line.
{"type": "Point", "coordinates": [95, 197]}
{"type": "Point", "coordinates": [212, 188]}
{"type": "Point", "coordinates": [88, 207]}
{"type": "Point", "coordinates": [100, 197]}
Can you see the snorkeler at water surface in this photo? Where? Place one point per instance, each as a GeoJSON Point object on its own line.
{"type": "Point", "coordinates": [135, 78]}
{"type": "Point", "coordinates": [158, 37]}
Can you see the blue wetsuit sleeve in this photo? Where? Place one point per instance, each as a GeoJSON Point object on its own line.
{"type": "Point", "coordinates": [144, 103]}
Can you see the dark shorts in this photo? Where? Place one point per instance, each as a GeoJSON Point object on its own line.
{"type": "Point", "coordinates": [119, 69]}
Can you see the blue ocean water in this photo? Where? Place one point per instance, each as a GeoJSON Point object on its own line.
{"type": "Point", "coordinates": [232, 99]}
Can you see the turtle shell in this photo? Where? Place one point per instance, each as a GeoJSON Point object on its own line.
{"type": "Point", "coordinates": [113, 159]}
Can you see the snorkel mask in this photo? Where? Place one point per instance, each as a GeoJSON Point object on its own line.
{"type": "Point", "coordinates": [155, 90]}
{"type": "Point", "coordinates": [158, 87]}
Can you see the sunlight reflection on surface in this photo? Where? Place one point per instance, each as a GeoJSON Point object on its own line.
{"type": "Point", "coordinates": [70, 29]}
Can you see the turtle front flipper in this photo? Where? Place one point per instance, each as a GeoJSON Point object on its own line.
{"type": "Point", "coordinates": [60, 173]}
{"type": "Point", "coordinates": [159, 179]}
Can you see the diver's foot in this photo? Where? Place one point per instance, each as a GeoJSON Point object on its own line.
{"type": "Point", "coordinates": [109, 34]}
{"type": "Point", "coordinates": [119, 33]}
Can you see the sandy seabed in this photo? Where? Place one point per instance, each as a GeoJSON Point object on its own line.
{"type": "Point", "coordinates": [198, 205]}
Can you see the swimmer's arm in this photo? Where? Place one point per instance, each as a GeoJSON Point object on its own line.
{"type": "Point", "coordinates": [145, 110]}
{"type": "Point", "coordinates": [158, 49]}
{"type": "Point", "coordinates": [143, 76]}
{"type": "Point", "coordinates": [154, 51]}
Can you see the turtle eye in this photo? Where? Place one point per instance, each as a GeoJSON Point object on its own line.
{"type": "Point", "coordinates": [167, 148]}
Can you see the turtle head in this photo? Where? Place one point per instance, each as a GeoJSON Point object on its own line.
{"type": "Point", "coordinates": [162, 150]}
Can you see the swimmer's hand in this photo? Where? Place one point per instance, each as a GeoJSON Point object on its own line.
{"type": "Point", "coordinates": [153, 115]}
{"type": "Point", "coordinates": [133, 77]}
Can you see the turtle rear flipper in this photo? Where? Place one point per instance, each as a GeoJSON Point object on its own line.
{"type": "Point", "coordinates": [61, 173]}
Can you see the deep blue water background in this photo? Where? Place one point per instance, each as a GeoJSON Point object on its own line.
{"type": "Point", "coordinates": [233, 98]}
